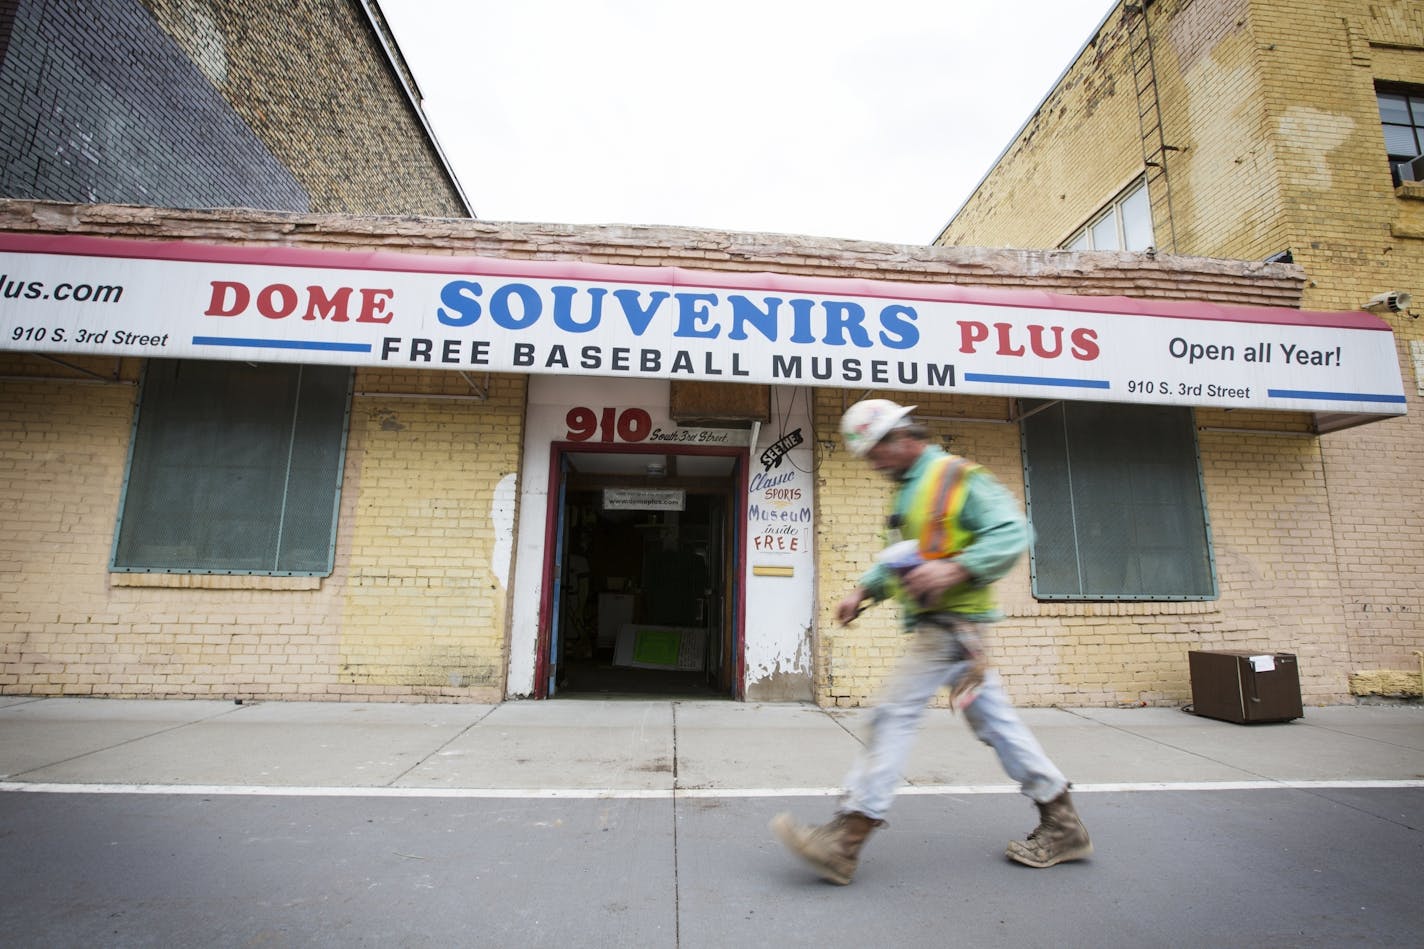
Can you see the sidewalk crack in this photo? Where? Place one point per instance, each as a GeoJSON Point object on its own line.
{"type": "Point", "coordinates": [441, 747]}
{"type": "Point", "coordinates": [676, 864]}
{"type": "Point", "coordinates": [126, 741]}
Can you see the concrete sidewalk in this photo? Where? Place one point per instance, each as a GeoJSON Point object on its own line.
{"type": "Point", "coordinates": [633, 748]}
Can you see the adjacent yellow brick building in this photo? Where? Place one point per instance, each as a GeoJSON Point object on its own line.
{"type": "Point", "coordinates": [1261, 129]}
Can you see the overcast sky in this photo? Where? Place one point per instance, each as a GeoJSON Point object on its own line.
{"type": "Point", "coordinates": [871, 119]}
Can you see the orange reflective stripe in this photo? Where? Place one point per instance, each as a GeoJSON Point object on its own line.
{"type": "Point", "coordinates": [945, 502]}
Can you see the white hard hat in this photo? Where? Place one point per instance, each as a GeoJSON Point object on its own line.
{"type": "Point", "coordinates": [868, 421]}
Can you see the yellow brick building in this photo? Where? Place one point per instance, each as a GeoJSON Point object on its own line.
{"type": "Point", "coordinates": [466, 489]}
{"type": "Point", "coordinates": [1256, 130]}
{"type": "Point", "coordinates": [322, 456]}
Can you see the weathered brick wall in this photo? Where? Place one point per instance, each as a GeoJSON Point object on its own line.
{"type": "Point", "coordinates": [98, 104]}
{"type": "Point", "coordinates": [414, 609]}
{"type": "Point", "coordinates": [1037, 196]}
{"type": "Point", "coordinates": [1085, 142]}
{"type": "Point", "coordinates": [1208, 65]}
{"type": "Point", "coordinates": [1272, 106]}
{"type": "Point", "coordinates": [1357, 236]}
{"type": "Point", "coordinates": [311, 79]}
{"type": "Point", "coordinates": [186, 103]}
{"type": "Point", "coordinates": [62, 453]}
{"type": "Point", "coordinates": [1270, 522]}
{"type": "Point", "coordinates": [427, 542]}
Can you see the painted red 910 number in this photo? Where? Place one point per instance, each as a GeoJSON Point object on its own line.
{"type": "Point", "coordinates": [630, 425]}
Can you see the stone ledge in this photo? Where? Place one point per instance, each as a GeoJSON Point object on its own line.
{"type": "Point", "coordinates": [1389, 682]}
{"type": "Point", "coordinates": [1401, 231]}
{"type": "Point", "coordinates": [1410, 190]}
{"type": "Point", "coordinates": [1116, 273]}
{"type": "Point", "coordinates": [213, 581]}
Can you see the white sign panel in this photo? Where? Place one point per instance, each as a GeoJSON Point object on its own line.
{"type": "Point", "coordinates": [111, 297]}
{"type": "Point", "coordinates": [644, 499]}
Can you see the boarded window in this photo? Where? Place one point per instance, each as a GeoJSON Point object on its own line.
{"type": "Point", "coordinates": [234, 468]}
{"type": "Point", "coordinates": [1116, 502]}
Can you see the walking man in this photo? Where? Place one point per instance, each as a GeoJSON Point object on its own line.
{"type": "Point", "coordinates": [966, 531]}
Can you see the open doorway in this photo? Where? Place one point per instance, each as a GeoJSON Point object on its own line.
{"type": "Point", "coordinates": [643, 598]}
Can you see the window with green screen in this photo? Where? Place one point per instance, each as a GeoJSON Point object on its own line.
{"type": "Point", "coordinates": [234, 468]}
{"type": "Point", "coordinates": [1116, 502]}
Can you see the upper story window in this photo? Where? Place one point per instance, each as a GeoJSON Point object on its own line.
{"type": "Point", "coordinates": [1402, 115]}
{"type": "Point", "coordinates": [1125, 224]}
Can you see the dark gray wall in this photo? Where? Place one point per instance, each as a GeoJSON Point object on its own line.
{"type": "Point", "coordinates": [99, 105]}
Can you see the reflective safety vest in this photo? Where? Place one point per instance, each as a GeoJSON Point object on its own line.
{"type": "Point", "coordinates": [932, 518]}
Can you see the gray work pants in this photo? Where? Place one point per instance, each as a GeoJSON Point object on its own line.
{"type": "Point", "coordinates": [937, 657]}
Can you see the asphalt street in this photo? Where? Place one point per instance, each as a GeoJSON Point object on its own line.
{"type": "Point", "coordinates": [1332, 868]}
{"type": "Point", "coordinates": [664, 847]}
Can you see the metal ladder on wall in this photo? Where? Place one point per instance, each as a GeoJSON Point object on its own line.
{"type": "Point", "coordinates": [1149, 121]}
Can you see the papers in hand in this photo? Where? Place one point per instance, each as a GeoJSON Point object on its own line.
{"type": "Point", "coordinates": [904, 555]}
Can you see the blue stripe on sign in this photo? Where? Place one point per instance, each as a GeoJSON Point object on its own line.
{"type": "Point", "coordinates": [281, 344]}
{"type": "Point", "coordinates": [1333, 396]}
{"type": "Point", "coordinates": [1038, 381]}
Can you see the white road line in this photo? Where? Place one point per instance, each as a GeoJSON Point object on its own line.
{"type": "Point", "coordinates": [237, 790]}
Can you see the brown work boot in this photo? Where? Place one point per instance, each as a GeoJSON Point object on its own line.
{"type": "Point", "coordinates": [1059, 837]}
{"type": "Point", "coordinates": [833, 849]}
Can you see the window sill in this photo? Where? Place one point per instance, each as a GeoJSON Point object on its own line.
{"type": "Point", "coordinates": [1113, 608]}
{"type": "Point", "coordinates": [1408, 226]}
{"type": "Point", "coordinates": [1410, 190]}
{"type": "Point", "coordinates": [213, 581]}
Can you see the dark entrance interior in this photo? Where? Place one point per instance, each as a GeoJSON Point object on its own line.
{"type": "Point", "coordinates": [645, 605]}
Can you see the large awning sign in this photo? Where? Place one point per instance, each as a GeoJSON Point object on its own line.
{"type": "Point", "coordinates": [98, 296]}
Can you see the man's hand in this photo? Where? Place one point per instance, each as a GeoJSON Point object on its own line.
{"type": "Point", "coordinates": [931, 579]}
{"type": "Point", "coordinates": [849, 606]}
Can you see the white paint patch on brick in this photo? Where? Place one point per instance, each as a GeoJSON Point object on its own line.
{"type": "Point", "coordinates": [205, 42]}
{"type": "Point", "coordinates": [1308, 136]}
{"type": "Point", "coordinates": [502, 517]}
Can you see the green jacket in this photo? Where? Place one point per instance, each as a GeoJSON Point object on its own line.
{"type": "Point", "coordinates": [999, 537]}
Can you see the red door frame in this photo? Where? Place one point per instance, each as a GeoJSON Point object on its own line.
{"type": "Point", "coordinates": [557, 451]}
